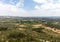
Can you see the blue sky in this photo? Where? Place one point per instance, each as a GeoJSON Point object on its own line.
{"type": "Point", "coordinates": [28, 8]}
{"type": "Point", "coordinates": [29, 4]}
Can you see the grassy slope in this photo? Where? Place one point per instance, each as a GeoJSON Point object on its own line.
{"type": "Point", "coordinates": [31, 34]}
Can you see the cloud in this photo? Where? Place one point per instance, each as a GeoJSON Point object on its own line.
{"type": "Point", "coordinates": [40, 1]}
{"type": "Point", "coordinates": [47, 1]}
{"type": "Point", "coordinates": [38, 13]}
{"type": "Point", "coordinates": [48, 8]}
{"type": "Point", "coordinates": [7, 9]}
{"type": "Point", "coordinates": [48, 4]}
{"type": "Point", "coordinates": [20, 3]}
{"type": "Point", "coordinates": [12, 10]}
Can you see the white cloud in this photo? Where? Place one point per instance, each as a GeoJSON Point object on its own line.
{"type": "Point", "coordinates": [40, 1]}
{"type": "Point", "coordinates": [47, 1]}
{"type": "Point", "coordinates": [11, 10]}
{"type": "Point", "coordinates": [48, 4]}
{"type": "Point", "coordinates": [37, 7]}
{"type": "Point", "coordinates": [54, 12]}
{"type": "Point", "coordinates": [48, 8]}
{"type": "Point", "coordinates": [20, 3]}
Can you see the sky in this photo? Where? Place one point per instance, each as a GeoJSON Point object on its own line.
{"type": "Point", "coordinates": [30, 8]}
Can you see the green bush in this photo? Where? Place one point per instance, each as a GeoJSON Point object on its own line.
{"type": "Point", "coordinates": [16, 34]}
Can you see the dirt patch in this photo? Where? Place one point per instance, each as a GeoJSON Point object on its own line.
{"type": "Point", "coordinates": [20, 29]}
{"type": "Point", "coordinates": [22, 25]}
{"type": "Point", "coordinates": [37, 26]}
{"type": "Point", "coordinates": [48, 28]}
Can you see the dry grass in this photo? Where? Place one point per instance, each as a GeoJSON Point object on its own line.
{"type": "Point", "coordinates": [22, 25]}
{"type": "Point", "coordinates": [48, 28]}
{"type": "Point", "coordinates": [20, 29]}
{"type": "Point", "coordinates": [40, 25]}
{"type": "Point", "coordinates": [37, 26]}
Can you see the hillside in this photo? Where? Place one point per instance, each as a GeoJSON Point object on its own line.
{"type": "Point", "coordinates": [29, 30]}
